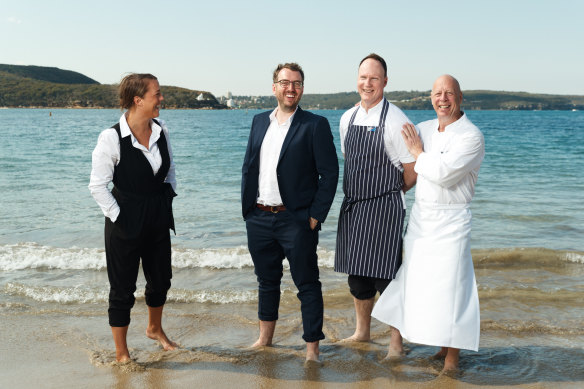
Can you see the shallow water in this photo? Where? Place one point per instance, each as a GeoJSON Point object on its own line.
{"type": "Point", "coordinates": [527, 240]}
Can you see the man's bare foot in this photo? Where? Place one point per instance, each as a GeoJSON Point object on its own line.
{"type": "Point", "coordinates": [450, 371]}
{"type": "Point", "coordinates": [451, 361]}
{"type": "Point", "coordinates": [441, 354]}
{"type": "Point", "coordinates": [363, 310]}
{"type": "Point", "coordinates": [396, 345]}
{"type": "Point", "coordinates": [312, 352]}
{"type": "Point", "coordinates": [394, 353]}
{"type": "Point", "coordinates": [261, 343]}
{"type": "Point", "coordinates": [161, 337]}
{"type": "Point", "coordinates": [267, 329]}
{"type": "Point", "coordinates": [356, 338]}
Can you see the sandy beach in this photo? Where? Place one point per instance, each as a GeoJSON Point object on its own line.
{"type": "Point", "coordinates": [59, 347]}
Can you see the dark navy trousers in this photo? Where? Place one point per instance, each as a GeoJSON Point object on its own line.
{"type": "Point", "coordinates": [271, 237]}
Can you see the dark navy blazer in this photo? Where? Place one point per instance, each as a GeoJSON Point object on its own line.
{"type": "Point", "coordinates": [308, 168]}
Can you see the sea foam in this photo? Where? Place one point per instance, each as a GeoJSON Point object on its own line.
{"type": "Point", "coordinates": [81, 294]}
{"type": "Point", "coordinates": [31, 255]}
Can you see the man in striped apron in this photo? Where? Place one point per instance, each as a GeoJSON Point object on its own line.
{"type": "Point", "coordinates": [378, 170]}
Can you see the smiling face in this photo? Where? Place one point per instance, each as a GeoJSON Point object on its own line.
{"type": "Point", "coordinates": [371, 82]}
{"type": "Point", "coordinates": [288, 97]}
{"type": "Point", "coordinates": [150, 103]}
{"type": "Point", "coordinates": [446, 99]}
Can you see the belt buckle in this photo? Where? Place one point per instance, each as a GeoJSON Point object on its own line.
{"type": "Point", "coordinates": [274, 209]}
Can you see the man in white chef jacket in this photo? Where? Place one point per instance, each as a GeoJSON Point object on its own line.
{"type": "Point", "coordinates": [434, 299]}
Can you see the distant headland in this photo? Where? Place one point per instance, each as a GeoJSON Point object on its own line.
{"type": "Point", "coordinates": [50, 87]}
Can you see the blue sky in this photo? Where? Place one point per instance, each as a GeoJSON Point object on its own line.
{"type": "Point", "coordinates": [513, 45]}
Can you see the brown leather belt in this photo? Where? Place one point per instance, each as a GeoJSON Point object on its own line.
{"type": "Point", "coordinates": [271, 208]}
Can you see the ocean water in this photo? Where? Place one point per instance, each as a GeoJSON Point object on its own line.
{"type": "Point", "coordinates": [528, 247]}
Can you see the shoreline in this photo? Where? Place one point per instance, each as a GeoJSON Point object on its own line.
{"type": "Point", "coordinates": [308, 108]}
{"type": "Point", "coordinates": [75, 107]}
{"type": "Point", "coordinates": [217, 356]}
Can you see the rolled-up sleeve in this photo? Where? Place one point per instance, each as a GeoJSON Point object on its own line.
{"type": "Point", "coordinates": [104, 158]}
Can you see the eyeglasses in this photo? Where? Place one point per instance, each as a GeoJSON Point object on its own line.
{"type": "Point", "coordinates": [286, 83]}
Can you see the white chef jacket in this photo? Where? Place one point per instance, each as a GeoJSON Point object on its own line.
{"type": "Point", "coordinates": [449, 166]}
{"type": "Point", "coordinates": [106, 156]}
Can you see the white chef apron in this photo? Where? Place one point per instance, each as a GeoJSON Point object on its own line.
{"type": "Point", "coordinates": [433, 300]}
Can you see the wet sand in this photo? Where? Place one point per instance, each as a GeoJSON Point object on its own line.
{"type": "Point", "coordinates": [57, 347]}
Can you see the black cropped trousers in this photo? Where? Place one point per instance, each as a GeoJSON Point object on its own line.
{"type": "Point", "coordinates": [128, 242]}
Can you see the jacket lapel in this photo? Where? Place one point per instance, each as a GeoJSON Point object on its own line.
{"type": "Point", "coordinates": [291, 131]}
{"type": "Point", "coordinates": [262, 129]}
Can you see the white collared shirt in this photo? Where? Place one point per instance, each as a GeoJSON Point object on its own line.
{"type": "Point", "coordinates": [106, 156]}
{"type": "Point", "coordinates": [448, 168]}
{"type": "Point", "coordinates": [395, 146]}
{"type": "Point", "coordinates": [268, 189]}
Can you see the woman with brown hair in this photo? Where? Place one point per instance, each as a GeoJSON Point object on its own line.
{"type": "Point", "coordinates": [135, 155]}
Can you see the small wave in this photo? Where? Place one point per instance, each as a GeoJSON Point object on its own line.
{"type": "Point", "coordinates": [215, 297]}
{"type": "Point", "coordinates": [529, 327]}
{"type": "Point", "coordinates": [533, 296]}
{"type": "Point", "coordinates": [524, 257]}
{"type": "Point", "coordinates": [574, 257]}
{"type": "Point", "coordinates": [230, 258]}
{"type": "Point", "coordinates": [81, 294]}
{"type": "Point", "coordinates": [77, 294]}
{"type": "Point", "coordinates": [543, 218]}
{"type": "Point", "coordinates": [31, 255]}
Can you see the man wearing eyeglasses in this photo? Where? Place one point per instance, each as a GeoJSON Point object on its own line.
{"type": "Point", "coordinates": [289, 179]}
{"type": "Point", "coordinates": [378, 171]}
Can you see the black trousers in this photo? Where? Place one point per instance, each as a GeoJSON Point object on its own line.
{"type": "Point", "coordinates": [364, 288]}
{"type": "Point", "coordinates": [124, 249]}
{"type": "Point", "coordinates": [270, 238]}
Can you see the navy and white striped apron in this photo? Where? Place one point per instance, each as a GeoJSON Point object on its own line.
{"type": "Point", "coordinates": [369, 235]}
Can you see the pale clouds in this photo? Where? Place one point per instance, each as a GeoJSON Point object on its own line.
{"type": "Point", "coordinates": [13, 20]}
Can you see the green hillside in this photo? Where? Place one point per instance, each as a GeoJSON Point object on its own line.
{"type": "Point", "coordinates": [43, 73]}
{"type": "Point", "coordinates": [473, 99]}
{"type": "Point", "coordinates": [37, 86]}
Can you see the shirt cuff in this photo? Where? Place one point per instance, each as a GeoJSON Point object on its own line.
{"type": "Point", "coordinates": [114, 215]}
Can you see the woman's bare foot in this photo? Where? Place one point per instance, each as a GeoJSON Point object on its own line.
{"type": "Point", "coordinates": [123, 357]}
{"type": "Point", "coordinates": [161, 337]}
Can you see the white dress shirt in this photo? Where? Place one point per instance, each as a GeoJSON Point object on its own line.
{"type": "Point", "coordinates": [449, 166]}
{"type": "Point", "coordinates": [395, 147]}
{"type": "Point", "coordinates": [394, 143]}
{"type": "Point", "coordinates": [269, 191]}
{"type": "Point", "coordinates": [106, 156]}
